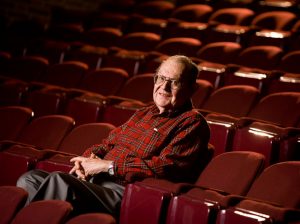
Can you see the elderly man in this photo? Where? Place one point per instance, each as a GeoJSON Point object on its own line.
{"type": "Point", "coordinates": [164, 140]}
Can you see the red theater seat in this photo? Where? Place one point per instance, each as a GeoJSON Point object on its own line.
{"type": "Point", "coordinates": [224, 24]}
{"type": "Point", "coordinates": [89, 54]}
{"type": "Point", "coordinates": [202, 93]}
{"type": "Point", "coordinates": [74, 144]}
{"type": "Point", "coordinates": [67, 74]}
{"type": "Point", "coordinates": [232, 100]}
{"type": "Point", "coordinates": [27, 68]}
{"type": "Point", "coordinates": [248, 71]}
{"type": "Point", "coordinates": [104, 81]}
{"type": "Point", "coordinates": [289, 74]}
{"type": "Point", "coordinates": [136, 93]}
{"type": "Point", "coordinates": [179, 45]}
{"type": "Point", "coordinates": [264, 202]}
{"type": "Point", "coordinates": [213, 183]}
{"type": "Point", "coordinates": [213, 60]}
{"type": "Point", "coordinates": [46, 132]}
{"type": "Point", "coordinates": [12, 121]}
{"type": "Point", "coordinates": [104, 37]}
{"type": "Point", "coordinates": [223, 108]}
{"type": "Point", "coordinates": [47, 211]}
{"type": "Point", "coordinates": [92, 218]}
{"type": "Point", "coordinates": [53, 50]}
{"type": "Point", "coordinates": [86, 108]}
{"type": "Point", "coordinates": [269, 126]}
{"type": "Point", "coordinates": [12, 199]}
{"type": "Point", "coordinates": [272, 28]}
{"type": "Point", "coordinates": [187, 20]}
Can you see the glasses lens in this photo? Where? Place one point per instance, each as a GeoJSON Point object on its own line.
{"type": "Point", "coordinates": [175, 84]}
{"type": "Point", "coordinates": [158, 79]}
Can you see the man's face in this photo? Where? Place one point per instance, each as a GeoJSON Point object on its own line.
{"type": "Point", "coordinates": [170, 91]}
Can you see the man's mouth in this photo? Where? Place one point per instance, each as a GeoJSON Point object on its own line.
{"type": "Point", "coordinates": [164, 94]}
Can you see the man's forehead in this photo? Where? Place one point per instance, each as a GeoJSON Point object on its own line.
{"type": "Point", "coordinates": [172, 67]}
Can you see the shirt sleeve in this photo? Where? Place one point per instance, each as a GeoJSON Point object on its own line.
{"type": "Point", "coordinates": [176, 158]}
{"type": "Point", "coordinates": [100, 150]}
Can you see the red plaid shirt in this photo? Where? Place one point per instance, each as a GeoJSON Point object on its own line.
{"type": "Point", "coordinates": [150, 144]}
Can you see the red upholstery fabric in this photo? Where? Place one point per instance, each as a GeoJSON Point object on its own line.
{"type": "Point", "coordinates": [12, 199]}
{"type": "Point", "coordinates": [105, 81]}
{"type": "Point", "coordinates": [12, 121]}
{"type": "Point", "coordinates": [47, 211]}
{"type": "Point", "coordinates": [234, 100]}
{"type": "Point", "coordinates": [92, 218]}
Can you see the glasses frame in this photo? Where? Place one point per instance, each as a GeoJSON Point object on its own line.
{"type": "Point", "coordinates": [175, 83]}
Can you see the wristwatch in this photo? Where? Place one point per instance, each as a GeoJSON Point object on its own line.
{"type": "Point", "coordinates": [110, 170]}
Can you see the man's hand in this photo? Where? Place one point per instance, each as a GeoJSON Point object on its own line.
{"type": "Point", "coordinates": [85, 167]}
{"type": "Point", "coordinates": [78, 170]}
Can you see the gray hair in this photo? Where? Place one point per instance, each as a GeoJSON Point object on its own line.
{"type": "Point", "coordinates": [190, 71]}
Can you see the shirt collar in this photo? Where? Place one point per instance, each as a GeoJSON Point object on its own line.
{"type": "Point", "coordinates": [171, 113]}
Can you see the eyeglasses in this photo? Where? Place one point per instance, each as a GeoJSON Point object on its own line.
{"type": "Point", "coordinates": [160, 79]}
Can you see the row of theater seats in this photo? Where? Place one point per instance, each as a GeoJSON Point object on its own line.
{"type": "Point", "coordinates": [12, 201]}
{"type": "Point", "coordinates": [231, 189]}
{"type": "Point", "coordinates": [199, 21]}
{"type": "Point", "coordinates": [242, 182]}
{"type": "Point", "coordinates": [46, 142]}
{"type": "Point", "coordinates": [275, 115]}
{"type": "Point", "coordinates": [277, 28]}
{"type": "Point", "coordinates": [222, 63]}
{"type": "Point", "coordinates": [271, 132]}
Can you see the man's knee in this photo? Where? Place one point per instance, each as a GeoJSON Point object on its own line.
{"type": "Point", "coordinates": [31, 176]}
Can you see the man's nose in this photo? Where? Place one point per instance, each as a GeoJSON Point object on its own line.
{"type": "Point", "coordinates": [167, 85]}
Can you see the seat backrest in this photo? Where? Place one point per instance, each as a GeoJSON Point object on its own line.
{"type": "Point", "coordinates": [53, 50]}
{"type": "Point", "coordinates": [155, 9]}
{"type": "Point", "coordinates": [219, 52]}
{"type": "Point", "coordinates": [139, 87]}
{"type": "Point", "coordinates": [279, 184]}
{"type": "Point", "coordinates": [12, 120]}
{"type": "Point", "coordinates": [234, 100]}
{"type": "Point", "coordinates": [92, 218]}
{"type": "Point", "coordinates": [204, 89]}
{"type": "Point", "coordinates": [46, 131]}
{"type": "Point", "coordinates": [86, 108]}
{"type": "Point", "coordinates": [139, 41]}
{"type": "Point", "coordinates": [179, 45]}
{"type": "Point", "coordinates": [232, 172]}
{"type": "Point", "coordinates": [274, 20]}
{"type": "Point", "coordinates": [192, 12]}
{"type": "Point", "coordinates": [65, 31]}
{"type": "Point", "coordinates": [12, 199]}
{"type": "Point", "coordinates": [280, 108]}
{"type": "Point", "coordinates": [84, 136]}
{"type": "Point", "coordinates": [290, 62]}
{"type": "Point", "coordinates": [27, 68]}
{"type": "Point", "coordinates": [105, 81]}
{"type": "Point", "coordinates": [46, 211]}
{"type": "Point", "coordinates": [89, 54]}
{"type": "Point", "coordinates": [232, 16]}
{"type": "Point", "coordinates": [102, 36]}
{"type": "Point", "coordinates": [66, 74]}
{"type": "Point", "coordinates": [266, 57]}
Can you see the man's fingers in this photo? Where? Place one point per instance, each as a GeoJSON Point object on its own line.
{"type": "Point", "coordinates": [72, 170]}
{"type": "Point", "coordinates": [77, 158]}
{"type": "Point", "coordinates": [80, 175]}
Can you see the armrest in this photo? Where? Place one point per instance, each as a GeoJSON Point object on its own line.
{"type": "Point", "coordinates": [163, 184]}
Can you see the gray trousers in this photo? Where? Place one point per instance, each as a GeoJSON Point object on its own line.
{"type": "Point", "coordinates": [97, 195]}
